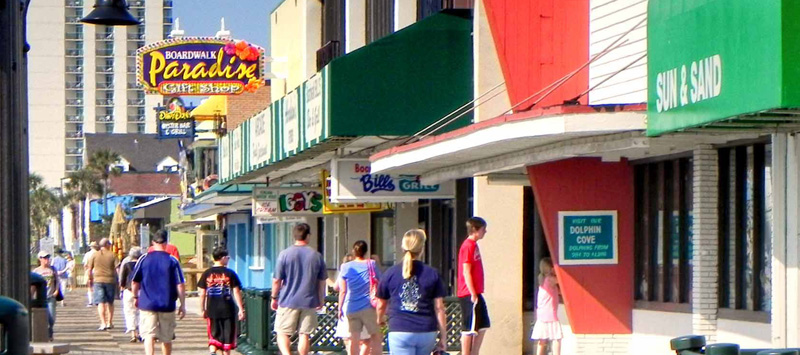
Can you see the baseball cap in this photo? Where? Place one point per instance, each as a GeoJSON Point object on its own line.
{"type": "Point", "coordinates": [43, 254]}
{"type": "Point", "coordinates": [93, 244]}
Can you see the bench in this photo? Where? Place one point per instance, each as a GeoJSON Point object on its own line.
{"type": "Point", "coordinates": [49, 348]}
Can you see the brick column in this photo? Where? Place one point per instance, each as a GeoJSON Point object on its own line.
{"type": "Point", "coordinates": [705, 240]}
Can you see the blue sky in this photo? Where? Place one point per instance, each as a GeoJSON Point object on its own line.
{"type": "Point", "coordinates": [246, 19]}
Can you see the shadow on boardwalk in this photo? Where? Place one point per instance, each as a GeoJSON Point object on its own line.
{"type": "Point", "coordinates": [77, 325]}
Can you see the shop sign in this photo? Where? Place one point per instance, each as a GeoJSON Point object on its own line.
{"type": "Point", "coordinates": [352, 180]}
{"type": "Point", "coordinates": [291, 123]}
{"type": "Point", "coordinates": [338, 208]}
{"type": "Point", "coordinates": [702, 68]}
{"type": "Point", "coordinates": [587, 237]}
{"type": "Point", "coordinates": [261, 139]}
{"type": "Point", "coordinates": [236, 152]}
{"type": "Point", "coordinates": [286, 201]}
{"type": "Point", "coordinates": [200, 66]}
{"type": "Point", "coordinates": [313, 119]}
{"type": "Point", "coordinates": [274, 220]}
{"type": "Point", "coordinates": [174, 120]}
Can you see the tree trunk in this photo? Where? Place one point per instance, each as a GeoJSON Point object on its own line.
{"type": "Point", "coordinates": [105, 199]}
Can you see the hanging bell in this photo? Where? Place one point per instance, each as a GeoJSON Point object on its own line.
{"type": "Point", "coordinates": [110, 13]}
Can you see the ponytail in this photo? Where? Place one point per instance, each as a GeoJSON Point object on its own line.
{"type": "Point", "coordinates": [413, 245]}
{"type": "Point", "coordinates": [408, 265]}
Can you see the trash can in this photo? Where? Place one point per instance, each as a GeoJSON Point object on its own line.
{"type": "Point", "coordinates": [39, 324]}
{"type": "Point", "coordinates": [14, 327]}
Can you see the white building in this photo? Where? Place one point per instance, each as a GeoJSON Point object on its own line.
{"type": "Point", "coordinates": [82, 79]}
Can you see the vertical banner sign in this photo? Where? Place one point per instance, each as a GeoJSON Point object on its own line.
{"type": "Point", "coordinates": [587, 237]}
{"type": "Point", "coordinates": [291, 123]}
{"type": "Point", "coordinates": [313, 128]}
{"type": "Point", "coordinates": [261, 139]}
{"type": "Point", "coordinates": [236, 151]}
{"type": "Point", "coordinates": [224, 159]}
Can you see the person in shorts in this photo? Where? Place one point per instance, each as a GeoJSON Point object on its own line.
{"type": "Point", "coordinates": [355, 280]}
{"type": "Point", "coordinates": [221, 303]}
{"type": "Point", "coordinates": [156, 284]}
{"type": "Point", "coordinates": [101, 273]}
{"type": "Point", "coordinates": [474, 312]}
{"type": "Point", "coordinates": [298, 290]}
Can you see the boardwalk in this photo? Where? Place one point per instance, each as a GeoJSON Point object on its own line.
{"type": "Point", "coordinates": [77, 325]}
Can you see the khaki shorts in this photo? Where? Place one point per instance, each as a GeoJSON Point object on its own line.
{"type": "Point", "coordinates": [287, 319]}
{"type": "Point", "coordinates": [366, 318]}
{"type": "Point", "coordinates": [159, 325]}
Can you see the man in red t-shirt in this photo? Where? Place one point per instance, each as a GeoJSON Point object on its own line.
{"type": "Point", "coordinates": [474, 313]}
{"type": "Point", "coordinates": [170, 249]}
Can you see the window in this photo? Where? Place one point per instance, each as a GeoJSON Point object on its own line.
{"type": "Point", "coordinates": [259, 246]}
{"type": "Point", "coordinates": [333, 22]}
{"type": "Point", "coordinates": [383, 236]}
{"type": "Point", "coordinates": [663, 227]}
{"type": "Point", "coordinates": [745, 215]}
{"type": "Point", "coordinates": [380, 19]}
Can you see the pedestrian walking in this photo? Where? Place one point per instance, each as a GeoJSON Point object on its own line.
{"type": "Point", "coordinates": [547, 327]}
{"type": "Point", "coordinates": [93, 248]}
{"type": "Point", "coordinates": [342, 328]}
{"type": "Point", "coordinates": [474, 312]}
{"type": "Point", "coordinates": [60, 264]}
{"type": "Point", "coordinates": [156, 285]}
{"type": "Point", "coordinates": [102, 279]}
{"type": "Point", "coordinates": [413, 294]}
{"type": "Point", "coordinates": [130, 311]}
{"type": "Point", "coordinates": [50, 274]}
{"type": "Point", "coordinates": [357, 279]}
{"type": "Point", "coordinates": [221, 302]}
{"type": "Point", "coordinates": [298, 291]}
{"type": "Point", "coordinates": [69, 274]}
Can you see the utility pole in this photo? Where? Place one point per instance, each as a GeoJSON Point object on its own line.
{"type": "Point", "coordinates": [14, 228]}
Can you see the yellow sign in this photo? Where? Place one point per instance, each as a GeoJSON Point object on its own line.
{"type": "Point", "coordinates": [337, 208]}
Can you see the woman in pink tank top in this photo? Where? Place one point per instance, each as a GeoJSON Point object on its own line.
{"type": "Point", "coordinates": [547, 328]}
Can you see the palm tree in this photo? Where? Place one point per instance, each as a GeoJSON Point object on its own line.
{"type": "Point", "coordinates": [82, 185]}
{"type": "Point", "coordinates": [44, 205]}
{"type": "Point", "coordinates": [102, 164]}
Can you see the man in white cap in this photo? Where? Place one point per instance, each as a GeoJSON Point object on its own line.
{"type": "Point", "coordinates": [49, 273]}
{"type": "Point", "coordinates": [92, 249]}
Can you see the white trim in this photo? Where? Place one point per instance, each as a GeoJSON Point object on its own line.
{"type": "Point", "coordinates": [541, 127]}
{"type": "Point", "coordinates": [615, 238]}
{"type": "Point", "coordinates": [151, 202]}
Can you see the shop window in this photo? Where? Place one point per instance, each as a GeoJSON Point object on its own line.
{"type": "Point", "coordinates": [745, 215]}
{"type": "Point", "coordinates": [259, 246]}
{"type": "Point", "coordinates": [663, 234]}
{"type": "Point", "coordinates": [379, 19]}
{"type": "Point", "coordinates": [383, 231]}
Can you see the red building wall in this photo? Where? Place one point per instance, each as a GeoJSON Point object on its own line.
{"type": "Point", "coordinates": [538, 42]}
{"type": "Point", "coordinates": [598, 298]}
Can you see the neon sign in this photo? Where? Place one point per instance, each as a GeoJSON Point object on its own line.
{"type": "Point", "coordinates": [200, 66]}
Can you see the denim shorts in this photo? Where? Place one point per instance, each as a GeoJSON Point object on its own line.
{"type": "Point", "coordinates": [104, 292]}
{"type": "Point", "coordinates": [406, 343]}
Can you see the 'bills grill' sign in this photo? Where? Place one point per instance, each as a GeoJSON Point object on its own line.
{"type": "Point", "coordinates": [200, 66]}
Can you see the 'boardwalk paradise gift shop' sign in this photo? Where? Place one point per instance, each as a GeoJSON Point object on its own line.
{"type": "Point", "coordinates": [352, 180]}
{"type": "Point", "coordinates": [200, 66]}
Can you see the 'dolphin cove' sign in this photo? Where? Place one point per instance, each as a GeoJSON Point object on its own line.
{"type": "Point", "coordinates": [200, 66]}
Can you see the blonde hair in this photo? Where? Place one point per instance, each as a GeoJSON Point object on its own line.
{"type": "Point", "coordinates": [413, 245]}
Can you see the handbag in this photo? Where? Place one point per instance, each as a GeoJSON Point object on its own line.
{"type": "Point", "coordinates": [373, 284]}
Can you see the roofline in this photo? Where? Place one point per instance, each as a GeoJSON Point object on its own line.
{"type": "Point", "coordinates": [502, 119]}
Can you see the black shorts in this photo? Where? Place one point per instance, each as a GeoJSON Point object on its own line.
{"type": "Point", "coordinates": [474, 317]}
{"type": "Point", "coordinates": [222, 333]}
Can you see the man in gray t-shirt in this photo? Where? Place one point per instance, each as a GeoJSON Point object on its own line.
{"type": "Point", "coordinates": [298, 291]}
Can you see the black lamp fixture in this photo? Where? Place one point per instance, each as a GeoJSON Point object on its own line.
{"type": "Point", "coordinates": [110, 13]}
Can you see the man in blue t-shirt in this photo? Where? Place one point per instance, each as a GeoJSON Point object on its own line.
{"type": "Point", "coordinates": [298, 290]}
{"type": "Point", "coordinates": [157, 283]}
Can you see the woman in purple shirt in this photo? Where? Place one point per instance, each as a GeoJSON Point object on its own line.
{"type": "Point", "coordinates": [414, 295]}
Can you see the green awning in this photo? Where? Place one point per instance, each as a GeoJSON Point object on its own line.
{"type": "Point", "coordinates": [403, 82]}
{"type": "Point", "coordinates": [395, 86]}
{"type": "Point", "coordinates": [722, 64]}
